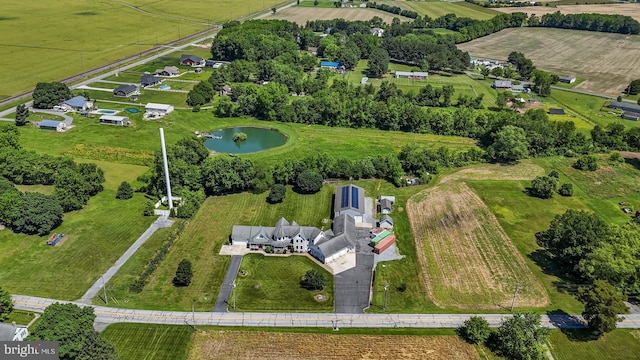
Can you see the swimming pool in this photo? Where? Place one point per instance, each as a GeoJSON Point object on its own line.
{"type": "Point", "coordinates": [106, 111]}
{"type": "Point", "coordinates": [164, 87]}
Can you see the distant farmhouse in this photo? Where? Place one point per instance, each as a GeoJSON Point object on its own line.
{"type": "Point", "coordinates": [325, 246]}
{"type": "Point", "coordinates": [377, 32]}
{"type": "Point", "coordinates": [168, 71]}
{"type": "Point", "coordinates": [147, 80]}
{"type": "Point", "coordinates": [631, 111]}
{"type": "Point", "coordinates": [126, 90]}
{"type": "Point", "coordinates": [78, 103]}
{"type": "Point", "coordinates": [414, 75]}
{"type": "Point", "coordinates": [192, 60]}
{"type": "Point", "coordinates": [567, 79]}
{"type": "Point", "coordinates": [501, 85]}
{"type": "Point", "coordinates": [333, 65]}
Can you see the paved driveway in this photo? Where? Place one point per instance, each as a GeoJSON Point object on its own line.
{"type": "Point", "coordinates": [352, 288]}
{"type": "Point", "coordinates": [225, 289]}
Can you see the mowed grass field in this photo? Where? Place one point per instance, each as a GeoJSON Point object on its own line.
{"type": "Point", "coordinates": [608, 62]}
{"type": "Point", "coordinates": [61, 38]}
{"type": "Point", "coordinates": [222, 344]}
{"type": "Point", "coordinates": [149, 341]}
{"type": "Point", "coordinates": [436, 9]}
{"type": "Point", "coordinates": [98, 235]}
{"type": "Point", "coordinates": [620, 344]}
{"type": "Point", "coordinates": [201, 242]}
{"type": "Point", "coordinates": [303, 140]}
{"type": "Point", "coordinates": [466, 259]}
{"type": "Point", "coordinates": [302, 14]}
{"type": "Point", "coordinates": [272, 283]}
{"type": "Point", "coordinates": [632, 10]}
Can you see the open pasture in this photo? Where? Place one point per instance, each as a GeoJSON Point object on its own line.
{"type": "Point", "coordinates": [436, 9]}
{"type": "Point", "coordinates": [467, 260]}
{"type": "Point", "coordinates": [620, 344]}
{"type": "Point", "coordinates": [608, 62]}
{"type": "Point", "coordinates": [301, 15]}
{"type": "Point", "coordinates": [224, 344]}
{"type": "Point", "coordinates": [632, 10]}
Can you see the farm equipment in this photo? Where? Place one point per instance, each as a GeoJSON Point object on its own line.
{"type": "Point", "coordinates": [54, 238]}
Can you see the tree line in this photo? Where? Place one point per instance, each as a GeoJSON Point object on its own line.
{"type": "Point", "coordinates": [35, 213]}
{"type": "Point", "coordinates": [393, 9]}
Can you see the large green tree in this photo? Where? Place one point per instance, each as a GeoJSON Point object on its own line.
{"type": "Point", "coordinates": [36, 214]}
{"type": "Point", "coordinates": [509, 145]}
{"type": "Point", "coordinates": [125, 191]}
{"type": "Point", "coordinates": [573, 236]}
{"type": "Point", "coordinates": [602, 306]}
{"type": "Point", "coordinates": [544, 186]}
{"type": "Point", "coordinates": [378, 62]}
{"type": "Point", "coordinates": [634, 87]}
{"type": "Point", "coordinates": [277, 193]}
{"type": "Point", "coordinates": [48, 95]}
{"type": "Point", "coordinates": [183, 273]}
{"type": "Point", "coordinates": [72, 327]}
{"type": "Point", "coordinates": [542, 82]}
{"type": "Point", "coordinates": [22, 113]}
{"type": "Point", "coordinates": [309, 182]}
{"type": "Point", "coordinates": [6, 304]}
{"type": "Point", "coordinates": [9, 136]}
{"type": "Point", "coordinates": [475, 330]}
{"type": "Point", "coordinates": [521, 337]}
{"type": "Point", "coordinates": [313, 280]}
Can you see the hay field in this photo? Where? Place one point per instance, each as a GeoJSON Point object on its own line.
{"type": "Point", "coordinates": [51, 40]}
{"type": "Point", "coordinates": [467, 260]}
{"type": "Point", "coordinates": [301, 15]}
{"type": "Point", "coordinates": [632, 10]}
{"type": "Point", "coordinates": [216, 344]}
{"type": "Point", "coordinates": [436, 9]}
{"type": "Point", "coordinates": [608, 61]}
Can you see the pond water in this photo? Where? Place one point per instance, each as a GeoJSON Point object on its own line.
{"type": "Point", "coordinates": [258, 139]}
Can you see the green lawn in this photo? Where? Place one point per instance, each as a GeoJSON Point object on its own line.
{"type": "Point", "coordinates": [20, 317]}
{"type": "Point", "coordinates": [149, 341]}
{"type": "Point", "coordinates": [571, 344]}
{"type": "Point", "coordinates": [272, 283]}
{"type": "Point", "coordinates": [591, 108]}
{"type": "Point", "coordinates": [43, 189]}
{"type": "Point", "coordinates": [436, 9]}
{"type": "Point", "coordinates": [98, 235]}
{"type": "Point", "coordinates": [303, 139]}
{"type": "Point", "coordinates": [200, 243]}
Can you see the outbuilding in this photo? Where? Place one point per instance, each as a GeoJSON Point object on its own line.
{"type": "Point", "coordinates": [349, 199]}
{"type": "Point", "coordinates": [625, 107]}
{"type": "Point", "coordinates": [114, 120]}
{"type": "Point", "coordinates": [53, 125]}
{"type": "Point", "coordinates": [161, 109]}
{"type": "Point", "coordinates": [568, 79]}
{"type": "Point", "coordinates": [414, 75]}
{"type": "Point", "coordinates": [501, 85]}
{"type": "Point", "coordinates": [330, 65]}
{"type": "Point", "coordinates": [555, 111]}
{"type": "Point", "coordinates": [630, 116]}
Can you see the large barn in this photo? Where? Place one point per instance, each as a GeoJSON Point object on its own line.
{"type": "Point", "coordinates": [349, 200]}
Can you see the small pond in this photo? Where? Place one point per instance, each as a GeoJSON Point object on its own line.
{"type": "Point", "coordinates": [258, 139]}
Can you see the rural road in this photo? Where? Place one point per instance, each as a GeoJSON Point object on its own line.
{"type": "Point", "coordinates": [107, 315]}
{"type": "Point", "coordinates": [227, 284]}
{"type": "Point", "coordinates": [161, 222]}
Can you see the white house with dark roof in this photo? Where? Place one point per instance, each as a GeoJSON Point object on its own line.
{"type": "Point", "coordinates": [12, 332]}
{"type": "Point", "coordinates": [349, 200]}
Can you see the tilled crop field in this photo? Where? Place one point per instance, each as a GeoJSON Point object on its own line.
{"type": "Point", "coordinates": [289, 346]}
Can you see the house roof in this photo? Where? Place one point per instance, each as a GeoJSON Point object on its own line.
{"type": "Point", "coordinates": [386, 204]}
{"type": "Point", "coordinates": [344, 229]}
{"type": "Point", "coordinates": [172, 69]}
{"type": "Point", "coordinates": [517, 87]}
{"type": "Point", "coordinates": [149, 79]}
{"type": "Point", "coordinates": [349, 197]}
{"type": "Point", "coordinates": [126, 88]}
{"type": "Point", "coordinates": [7, 331]}
{"type": "Point", "coordinates": [329, 63]}
{"type": "Point", "coordinates": [625, 106]}
{"type": "Point", "coordinates": [567, 77]}
{"type": "Point", "coordinates": [49, 123]}
{"type": "Point", "coordinates": [114, 118]}
{"type": "Point", "coordinates": [631, 114]}
{"type": "Point", "coordinates": [78, 101]}
{"type": "Point", "coordinates": [193, 58]}
{"type": "Point", "coordinates": [412, 73]}
{"type": "Point", "coordinates": [502, 84]}
{"type": "Point", "coordinates": [155, 106]}
{"type": "Point", "coordinates": [554, 111]}
{"type": "Point", "coordinates": [386, 218]}
{"type": "Point", "coordinates": [226, 88]}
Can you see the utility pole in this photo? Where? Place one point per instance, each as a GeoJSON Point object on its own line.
{"type": "Point", "coordinates": [513, 302]}
{"type": "Point", "coordinates": [104, 287]}
{"type": "Point", "coordinates": [386, 287]}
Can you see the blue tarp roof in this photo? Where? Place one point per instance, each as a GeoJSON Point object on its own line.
{"type": "Point", "coordinates": [78, 101]}
{"type": "Point", "coordinates": [49, 123]}
{"type": "Point", "coordinates": [329, 63]}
